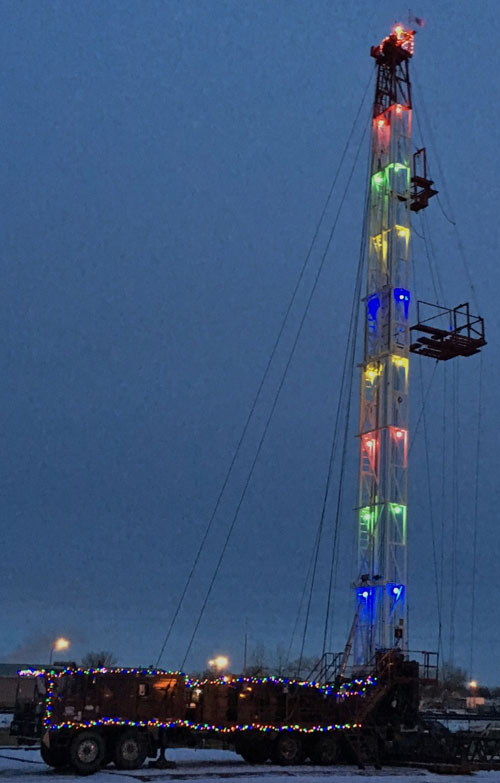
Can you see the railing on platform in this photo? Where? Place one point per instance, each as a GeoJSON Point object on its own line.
{"type": "Point", "coordinates": [331, 666]}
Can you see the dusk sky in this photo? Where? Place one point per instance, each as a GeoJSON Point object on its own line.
{"type": "Point", "coordinates": [164, 164]}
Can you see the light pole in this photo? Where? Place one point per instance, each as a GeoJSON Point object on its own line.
{"type": "Point", "coordinates": [219, 664]}
{"type": "Point", "coordinates": [59, 644]}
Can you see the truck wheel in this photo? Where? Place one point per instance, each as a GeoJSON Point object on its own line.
{"type": "Point", "coordinates": [130, 750]}
{"type": "Point", "coordinates": [255, 750]}
{"type": "Point", "coordinates": [54, 757]}
{"type": "Point", "coordinates": [86, 752]}
{"type": "Point", "coordinates": [287, 749]}
{"type": "Point", "coordinates": [325, 751]}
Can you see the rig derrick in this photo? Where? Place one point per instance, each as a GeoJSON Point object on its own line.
{"type": "Point", "coordinates": [398, 186]}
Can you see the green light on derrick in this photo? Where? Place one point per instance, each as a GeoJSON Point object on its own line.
{"type": "Point", "coordinates": [398, 166]}
{"type": "Point", "coordinates": [367, 516]}
{"type": "Point", "coordinates": [379, 179]}
{"type": "Point", "coordinates": [399, 512]}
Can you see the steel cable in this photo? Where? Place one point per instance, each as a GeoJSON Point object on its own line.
{"type": "Point", "coordinates": [276, 398]}
{"type": "Point", "coordinates": [264, 377]}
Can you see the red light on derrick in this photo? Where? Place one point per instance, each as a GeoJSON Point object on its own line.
{"type": "Point", "coordinates": [399, 108]}
{"type": "Point", "coordinates": [381, 123]}
{"type": "Point", "coordinates": [399, 433]}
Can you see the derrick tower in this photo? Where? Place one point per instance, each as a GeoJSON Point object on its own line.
{"type": "Point", "coordinates": [383, 432]}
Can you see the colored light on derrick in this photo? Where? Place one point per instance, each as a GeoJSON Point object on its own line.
{"type": "Point", "coordinates": [402, 296]}
{"type": "Point", "coordinates": [399, 520]}
{"type": "Point", "coordinates": [400, 361]}
{"type": "Point", "coordinates": [373, 305]}
{"type": "Point", "coordinates": [372, 371]}
{"type": "Point", "coordinates": [399, 433]}
{"type": "Point", "coordinates": [366, 595]}
{"type": "Point", "coordinates": [367, 517]}
{"type": "Point", "coordinates": [397, 592]}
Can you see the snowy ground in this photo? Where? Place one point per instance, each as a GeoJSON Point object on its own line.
{"type": "Point", "coordinates": [5, 720]}
{"type": "Point", "coordinates": [206, 766]}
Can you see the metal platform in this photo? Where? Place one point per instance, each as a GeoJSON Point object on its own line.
{"type": "Point", "coordinates": [446, 333]}
{"type": "Point", "coordinates": [422, 189]}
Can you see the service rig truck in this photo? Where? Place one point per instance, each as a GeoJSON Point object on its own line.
{"type": "Point", "coordinates": [88, 718]}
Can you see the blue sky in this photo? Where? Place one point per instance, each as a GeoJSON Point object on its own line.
{"type": "Point", "coordinates": [163, 167]}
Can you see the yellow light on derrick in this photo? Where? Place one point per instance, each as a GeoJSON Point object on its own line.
{"type": "Point", "coordinates": [372, 371]}
{"type": "Point", "coordinates": [400, 361]}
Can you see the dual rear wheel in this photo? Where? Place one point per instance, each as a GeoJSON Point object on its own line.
{"type": "Point", "coordinates": [256, 748]}
{"type": "Point", "coordinates": [288, 749]}
{"type": "Point", "coordinates": [87, 752]}
{"type": "Point", "coordinates": [131, 750]}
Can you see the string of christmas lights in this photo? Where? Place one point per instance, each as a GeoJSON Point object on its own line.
{"type": "Point", "coordinates": [328, 689]}
{"type": "Point", "coordinates": [53, 677]}
{"type": "Point", "coordinates": [199, 726]}
{"type": "Point", "coordinates": [102, 670]}
{"type": "Point", "coordinates": [352, 688]}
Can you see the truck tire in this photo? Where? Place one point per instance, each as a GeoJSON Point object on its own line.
{"type": "Point", "coordinates": [254, 750]}
{"type": "Point", "coordinates": [325, 751]}
{"type": "Point", "coordinates": [86, 752]}
{"type": "Point", "coordinates": [54, 757]}
{"type": "Point", "coordinates": [131, 750]}
{"type": "Point", "coordinates": [287, 749]}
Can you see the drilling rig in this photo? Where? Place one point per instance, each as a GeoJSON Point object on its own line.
{"type": "Point", "coordinates": [398, 185]}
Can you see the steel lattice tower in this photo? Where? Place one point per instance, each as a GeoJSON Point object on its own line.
{"type": "Point", "coordinates": [383, 431]}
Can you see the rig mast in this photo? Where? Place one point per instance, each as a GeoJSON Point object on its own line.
{"type": "Point", "coordinates": [383, 431]}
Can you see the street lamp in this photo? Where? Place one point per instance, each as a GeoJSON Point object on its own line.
{"type": "Point", "coordinates": [59, 644]}
{"type": "Point", "coordinates": [219, 663]}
